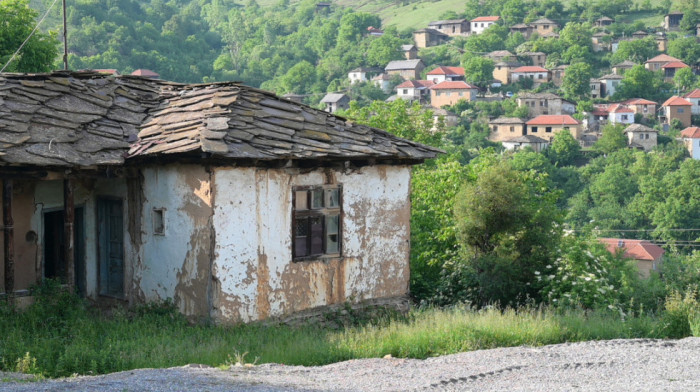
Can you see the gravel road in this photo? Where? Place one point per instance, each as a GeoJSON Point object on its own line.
{"type": "Point", "coordinates": [613, 365]}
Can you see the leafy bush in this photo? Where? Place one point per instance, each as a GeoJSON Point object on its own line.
{"type": "Point", "coordinates": [681, 315]}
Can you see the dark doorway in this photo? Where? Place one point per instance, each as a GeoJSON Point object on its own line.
{"type": "Point", "coordinates": [110, 232]}
{"type": "Point", "coordinates": [54, 248]}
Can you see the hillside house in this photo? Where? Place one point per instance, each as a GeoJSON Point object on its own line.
{"type": "Point", "coordinates": [661, 41]}
{"type": "Point", "coordinates": [537, 74]}
{"type": "Point", "coordinates": [546, 126]}
{"type": "Point", "coordinates": [603, 114]}
{"type": "Point", "coordinates": [449, 93]}
{"type": "Point", "coordinates": [505, 128]}
{"type": "Point", "coordinates": [522, 28]}
{"type": "Point", "coordinates": [641, 106]}
{"type": "Point", "coordinates": [236, 204]}
{"type": "Point", "coordinates": [363, 74]}
{"type": "Point", "coordinates": [557, 74]}
{"type": "Point", "coordinates": [553, 34]}
{"type": "Point", "coordinates": [621, 68]}
{"type": "Point", "coordinates": [655, 63]}
{"type": "Point", "coordinates": [407, 69]}
{"type": "Point", "coordinates": [690, 137]}
{"type": "Point", "coordinates": [538, 59]}
{"type": "Point", "coordinates": [145, 73]}
{"type": "Point", "coordinates": [502, 71]}
{"type": "Point", "coordinates": [609, 84]}
{"type": "Point", "coordinates": [649, 256]}
{"type": "Point", "coordinates": [480, 24]}
{"type": "Point", "coordinates": [374, 31]}
{"type": "Point", "coordinates": [676, 108]}
{"type": "Point", "coordinates": [641, 137]}
{"type": "Point", "coordinates": [672, 21]}
{"type": "Point", "coordinates": [694, 98]}
{"type": "Point", "coordinates": [410, 52]}
{"type": "Point", "coordinates": [448, 118]}
{"type": "Point", "coordinates": [425, 38]}
{"type": "Point", "coordinates": [604, 21]}
{"type": "Point", "coordinates": [596, 88]}
{"type": "Point", "coordinates": [443, 73]}
{"type": "Point", "coordinates": [544, 26]}
{"type": "Point", "coordinates": [414, 90]}
{"type": "Point", "coordinates": [537, 144]}
{"type": "Point", "coordinates": [383, 81]}
{"type": "Point", "coordinates": [545, 103]}
{"type": "Point", "coordinates": [601, 41]}
{"type": "Point", "coordinates": [669, 69]}
{"type": "Point", "coordinates": [500, 55]}
{"type": "Point", "coordinates": [453, 27]}
{"type": "Point", "coordinates": [639, 34]}
{"type": "Point", "coordinates": [335, 101]}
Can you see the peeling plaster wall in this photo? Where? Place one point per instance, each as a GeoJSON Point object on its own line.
{"type": "Point", "coordinates": [177, 264]}
{"type": "Point", "coordinates": [253, 274]}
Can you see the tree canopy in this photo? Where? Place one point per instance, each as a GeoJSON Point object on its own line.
{"type": "Point", "coordinates": [17, 21]}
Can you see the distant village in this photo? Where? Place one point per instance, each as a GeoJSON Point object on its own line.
{"type": "Point", "coordinates": [548, 113]}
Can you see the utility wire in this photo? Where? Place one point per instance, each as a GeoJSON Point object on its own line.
{"type": "Point", "coordinates": [30, 36]}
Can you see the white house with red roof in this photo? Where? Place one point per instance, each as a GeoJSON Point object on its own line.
{"type": "Point", "coordinates": [412, 90]}
{"type": "Point", "coordinates": [620, 114]}
{"type": "Point", "coordinates": [451, 92]}
{"type": "Point", "coordinates": [537, 74]}
{"type": "Point", "coordinates": [442, 73]}
{"type": "Point", "coordinates": [655, 63]}
{"type": "Point", "coordinates": [691, 138]}
{"type": "Point", "coordinates": [546, 126]}
{"type": "Point", "coordinates": [676, 108]}
{"type": "Point", "coordinates": [694, 98]}
{"type": "Point", "coordinates": [478, 25]}
{"type": "Point", "coordinates": [649, 256]}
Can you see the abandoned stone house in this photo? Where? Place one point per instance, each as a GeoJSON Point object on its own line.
{"type": "Point", "coordinates": [235, 203]}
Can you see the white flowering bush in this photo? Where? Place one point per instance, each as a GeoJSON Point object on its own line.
{"type": "Point", "coordinates": [586, 275]}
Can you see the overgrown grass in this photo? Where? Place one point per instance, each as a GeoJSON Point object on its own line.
{"type": "Point", "coordinates": [60, 336]}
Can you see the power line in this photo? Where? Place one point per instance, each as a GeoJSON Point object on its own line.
{"type": "Point", "coordinates": [30, 36]}
{"type": "Point", "coordinates": [636, 230]}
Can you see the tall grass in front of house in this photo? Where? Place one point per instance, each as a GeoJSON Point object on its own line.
{"type": "Point", "coordinates": [60, 336]}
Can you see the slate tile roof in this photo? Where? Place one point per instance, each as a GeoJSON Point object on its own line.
{"type": "Point", "coordinates": [403, 64]}
{"type": "Point", "coordinates": [87, 119]}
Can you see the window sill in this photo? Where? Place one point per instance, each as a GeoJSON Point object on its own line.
{"type": "Point", "coordinates": [319, 258]}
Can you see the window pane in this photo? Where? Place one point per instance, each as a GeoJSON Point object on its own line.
{"type": "Point", "coordinates": [332, 224]}
{"type": "Point", "coordinates": [301, 231]}
{"type": "Point", "coordinates": [332, 198]}
{"type": "Point", "coordinates": [316, 235]}
{"type": "Point", "coordinates": [301, 202]}
{"type": "Point", "coordinates": [317, 199]}
{"type": "Point", "coordinates": [332, 234]}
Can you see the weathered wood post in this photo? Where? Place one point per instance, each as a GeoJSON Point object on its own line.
{"type": "Point", "coordinates": [68, 232]}
{"type": "Point", "coordinates": [8, 237]}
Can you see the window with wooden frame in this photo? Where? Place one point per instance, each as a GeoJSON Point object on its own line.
{"type": "Point", "coordinates": [316, 221]}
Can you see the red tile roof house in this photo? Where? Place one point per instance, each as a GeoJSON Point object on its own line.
{"type": "Point", "coordinates": [691, 139]}
{"type": "Point", "coordinates": [546, 126]}
{"type": "Point", "coordinates": [146, 73]}
{"type": "Point", "coordinates": [537, 74]}
{"type": "Point", "coordinates": [478, 25]}
{"type": "Point", "coordinates": [442, 73]}
{"type": "Point", "coordinates": [676, 108]}
{"type": "Point", "coordinates": [449, 93]}
{"type": "Point", "coordinates": [655, 63]}
{"type": "Point", "coordinates": [671, 68]}
{"type": "Point", "coordinates": [412, 90]}
{"type": "Point", "coordinates": [694, 98]}
{"type": "Point", "coordinates": [642, 106]}
{"type": "Point", "coordinates": [649, 256]}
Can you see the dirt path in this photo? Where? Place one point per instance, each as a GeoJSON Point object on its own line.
{"type": "Point", "coordinates": [614, 365]}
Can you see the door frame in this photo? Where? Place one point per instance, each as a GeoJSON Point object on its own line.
{"type": "Point", "coordinates": [98, 248]}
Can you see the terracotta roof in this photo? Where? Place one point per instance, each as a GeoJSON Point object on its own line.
{"type": "Point", "coordinates": [145, 73]}
{"type": "Point", "coordinates": [416, 84]}
{"type": "Point", "coordinates": [618, 108]}
{"type": "Point", "coordinates": [676, 101]}
{"type": "Point", "coordinates": [453, 85]}
{"type": "Point", "coordinates": [486, 19]}
{"type": "Point", "coordinates": [693, 94]}
{"type": "Point", "coordinates": [443, 70]}
{"type": "Point", "coordinates": [691, 132]}
{"type": "Point", "coordinates": [553, 119]}
{"type": "Point", "coordinates": [530, 68]}
{"type": "Point", "coordinates": [634, 249]}
{"type": "Point", "coordinates": [87, 119]}
{"type": "Point", "coordinates": [639, 101]}
{"type": "Point", "coordinates": [675, 64]}
{"type": "Point", "coordinates": [662, 58]}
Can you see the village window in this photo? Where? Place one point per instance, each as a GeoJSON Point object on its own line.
{"type": "Point", "coordinates": [316, 221]}
{"type": "Point", "coordinates": [159, 221]}
{"type": "Point", "coordinates": [534, 129]}
{"type": "Point", "coordinates": [681, 110]}
{"type": "Point", "coordinates": [461, 93]}
{"type": "Point", "coordinates": [512, 129]}
{"type": "Point", "coordinates": [405, 91]}
{"type": "Point", "coordinates": [539, 76]}
{"type": "Point", "coordinates": [624, 117]}
{"type": "Point", "coordinates": [548, 129]}
{"type": "Point", "coordinates": [437, 93]}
